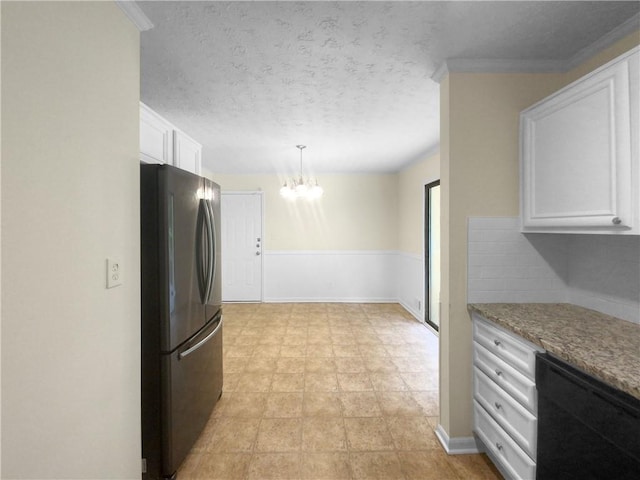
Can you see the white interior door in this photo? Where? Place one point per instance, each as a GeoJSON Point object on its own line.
{"type": "Point", "coordinates": [242, 247]}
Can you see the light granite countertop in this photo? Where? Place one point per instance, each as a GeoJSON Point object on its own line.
{"type": "Point", "coordinates": [606, 347]}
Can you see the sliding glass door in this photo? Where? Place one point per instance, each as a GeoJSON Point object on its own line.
{"type": "Point", "coordinates": [432, 254]}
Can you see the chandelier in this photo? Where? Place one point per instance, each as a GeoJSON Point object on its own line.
{"type": "Point", "coordinates": [299, 187]}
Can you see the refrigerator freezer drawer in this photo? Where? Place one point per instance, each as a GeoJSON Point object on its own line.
{"type": "Point", "coordinates": [192, 384]}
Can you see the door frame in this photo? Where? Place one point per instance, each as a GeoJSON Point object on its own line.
{"type": "Point", "coordinates": [260, 194]}
{"type": "Point", "coordinates": [427, 297]}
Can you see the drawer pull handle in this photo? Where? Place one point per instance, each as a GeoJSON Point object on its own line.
{"type": "Point", "coordinates": [499, 446]}
{"type": "Point", "coordinates": [498, 372]}
{"type": "Point", "coordinates": [497, 342]}
{"type": "Point", "coordinates": [498, 405]}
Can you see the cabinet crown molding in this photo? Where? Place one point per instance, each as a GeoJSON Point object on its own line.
{"type": "Point", "coordinates": [496, 65]}
{"type": "Point", "coordinates": [135, 14]}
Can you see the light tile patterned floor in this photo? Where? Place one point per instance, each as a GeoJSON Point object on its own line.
{"type": "Point", "coordinates": [327, 391]}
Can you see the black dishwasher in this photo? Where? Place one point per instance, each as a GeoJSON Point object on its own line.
{"type": "Point", "coordinates": [586, 428]}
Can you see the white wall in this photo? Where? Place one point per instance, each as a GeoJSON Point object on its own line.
{"type": "Point", "coordinates": [70, 199]}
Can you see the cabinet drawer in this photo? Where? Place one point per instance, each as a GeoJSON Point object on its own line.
{"type": "Point", "coordinates": [510, 415]}
{"type": "Point", "coordinates": [512, 458]}
{"type": "Point", "coordinates": [521, 388]}
{"type": "Point", "coordinates": [514, 351]}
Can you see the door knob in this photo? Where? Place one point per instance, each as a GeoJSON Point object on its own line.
{"type": "Point", "coordinates": [616, 220]}
{"type": "Point", "coordinates": [257, 253]}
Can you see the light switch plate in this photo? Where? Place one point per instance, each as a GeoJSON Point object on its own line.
{"type": "Point", "coordinates": [114, 273]}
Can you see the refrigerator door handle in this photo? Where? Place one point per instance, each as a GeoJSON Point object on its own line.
{"type": "Point", "coordinates": [209, 276]}
{"type": "Point", "coordinates": [201, 230]}
{"type": "Point", "coordinates": [195, 347]}
{"type": "Point", "coordinates": [212, 250]}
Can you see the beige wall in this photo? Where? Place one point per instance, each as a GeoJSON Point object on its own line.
{"type": "Point", "coordinates": [70, 199]}
{"type": "Point", "coordinates": [411, 182]}
{"type": "Point", "coordinates": [480, 177]}
{"type": "Point", "coordinates": [357, 212]}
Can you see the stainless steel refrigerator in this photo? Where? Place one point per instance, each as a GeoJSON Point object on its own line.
{"type": "Point", "coordinates": [181, 313]}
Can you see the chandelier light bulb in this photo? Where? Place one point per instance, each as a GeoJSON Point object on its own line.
{"type": "Point", "coordinates": [299, 187]}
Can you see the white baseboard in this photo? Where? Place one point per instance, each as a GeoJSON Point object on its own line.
{"type": "Point", "coordinates": [329, 300]}
{"type": "Point", "coordinates": [457, 445]}
{"type": "Point", "coordinates": [415, 313]}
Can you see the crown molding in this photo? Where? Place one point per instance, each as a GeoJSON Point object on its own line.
{"type": "Point", "coordinates": [441, 72]}
{"type": "Point", "coordinates": [618, 33]}
{"type": "Point", "coordinates": [488, 65]}
{"type": "Point", "coordinates": [135, 14]}
{"type": "Point", "coordinates": [496, 65]}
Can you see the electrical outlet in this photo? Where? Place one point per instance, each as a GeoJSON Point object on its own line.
{"type": "Point", "coordinates": [114, 273]}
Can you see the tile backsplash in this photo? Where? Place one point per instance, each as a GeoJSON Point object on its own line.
{"type": "Point", "coordinates": [504, 266]}
{"type": "Point", "coordinates": [604, 274]}
{"type": "Point", "coordinates": [601, 272]}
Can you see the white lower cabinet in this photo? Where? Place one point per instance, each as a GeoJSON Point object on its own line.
{"type": "Point", "coordinates": [514, 461]}
{"type": "Point", "coordinates": [519, 422]}
{"type": "Point", "coordinates": [505, 398]}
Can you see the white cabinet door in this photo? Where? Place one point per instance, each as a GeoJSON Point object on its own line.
{"type": "Point", "coordinates": [156, 137]}
{"type": "Point", "coordinates": [579, 163]}
{"type": "Point", "coordinates": [188, 152]}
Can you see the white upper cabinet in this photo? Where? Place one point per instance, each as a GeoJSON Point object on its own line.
{"type": "Point", "coordinates": [579, 155]}
{"type": "Point", "coordinates": [187, 152]}
{"type": "Point", "coordinates": [156, 137]}
{"type": "Point", "coordinates": [162, 142]}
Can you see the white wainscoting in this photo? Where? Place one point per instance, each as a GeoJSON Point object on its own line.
{"type": "Point", "coordinates": [331, 276]}
{"type": "Point", "coordinates": [411, 291]}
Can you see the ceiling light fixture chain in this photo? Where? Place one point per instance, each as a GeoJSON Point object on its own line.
{"type": "Point", "coordinates": [299, 187]}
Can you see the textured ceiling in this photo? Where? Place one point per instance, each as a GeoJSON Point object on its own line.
{"type": "Point", "coordinates": [351, 80]}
